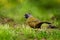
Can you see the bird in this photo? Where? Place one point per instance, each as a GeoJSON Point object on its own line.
{"type": "Point", "coordinates": [34, 22]}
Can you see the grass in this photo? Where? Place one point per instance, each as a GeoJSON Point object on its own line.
{"type": "Point", "coordinates": [23, 32]}
{"type": "Point", "coordinates": [16, 9]}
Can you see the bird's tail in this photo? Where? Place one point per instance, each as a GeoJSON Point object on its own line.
{"type": "Point", "coordinates": [50, 25]}
{"type": "Point", "coordinates": [45, 22]}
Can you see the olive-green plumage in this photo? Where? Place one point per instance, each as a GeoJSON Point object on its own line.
{"type": "Point", "coordinates": [34, 22]}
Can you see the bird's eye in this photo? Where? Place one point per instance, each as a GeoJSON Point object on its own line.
{"type": "Point", "coordinates": [26, 16]}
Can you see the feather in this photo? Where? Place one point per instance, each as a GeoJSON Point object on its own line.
{"type": "Point", "coordinates": [34, 22]}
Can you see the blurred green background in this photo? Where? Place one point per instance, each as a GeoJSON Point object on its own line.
{"type": "Point", "coordinates": [45, 10]}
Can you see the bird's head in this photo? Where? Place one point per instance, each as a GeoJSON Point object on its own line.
{"type": "Point", "coordinates": [27, 15]}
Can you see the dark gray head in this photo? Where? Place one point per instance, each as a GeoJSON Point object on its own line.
{"type": "Point", "coordinates": [27, 15]}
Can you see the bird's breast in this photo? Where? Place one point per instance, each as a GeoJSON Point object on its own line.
{"type": "Point", "coordinates": [32, 22]}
